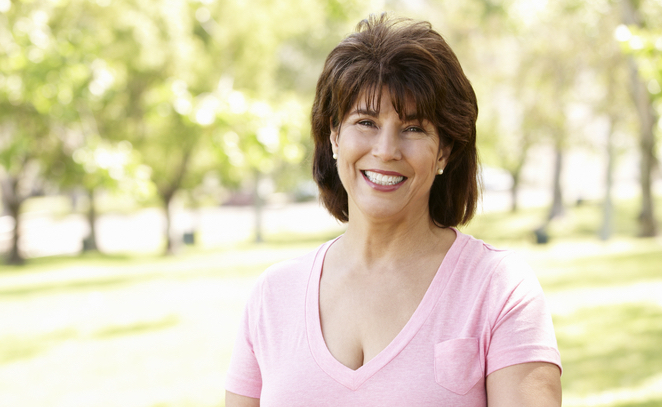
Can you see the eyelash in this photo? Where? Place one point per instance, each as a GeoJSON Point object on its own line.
{"type": "Point", "coordinates": [416, 129]}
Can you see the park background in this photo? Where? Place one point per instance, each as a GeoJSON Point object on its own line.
{"type": "Point", "coordinates": [155, 159]}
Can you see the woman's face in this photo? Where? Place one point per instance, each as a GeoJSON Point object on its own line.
{"type": "Point", "coordinates": [387, 165]}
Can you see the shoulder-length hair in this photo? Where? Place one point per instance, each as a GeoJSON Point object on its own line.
{"type": "Point", "coordinates": [416, 65]}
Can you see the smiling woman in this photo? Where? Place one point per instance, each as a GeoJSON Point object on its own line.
{"type": "Point", "coordinates": [425, 81]}
{"type": "Point", "coordinates": [402, 309]}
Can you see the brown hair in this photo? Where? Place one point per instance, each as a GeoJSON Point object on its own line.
{"type": "Point", "coordinates": [415, 64]}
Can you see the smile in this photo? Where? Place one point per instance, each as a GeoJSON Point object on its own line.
{"type": "Point", "coordinates": [381, 179]}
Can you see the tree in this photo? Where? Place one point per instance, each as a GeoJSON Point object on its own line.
{"type": "Point", "coordinates": [270, 141]}
{"type": "Point", "coordinates": [177, 109]}
{"type": "Point", "coordinates": [33, 88]}
{"type": "Point", "coordinates": [606, 92]}
{"type": "Point", "coordinates": [531, 87]}
{"type": "Point", "coordinates": [643, 96]}
{"type": "Point", "coordinates": [24, 156]}
{"type": "Point", "coordinates": [99, 164]}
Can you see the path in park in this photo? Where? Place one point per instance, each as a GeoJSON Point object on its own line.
{"type": "Point", "coordinates": [142, 231]}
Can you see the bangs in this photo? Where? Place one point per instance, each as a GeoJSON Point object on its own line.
{"type": "Point", "coordinates": [412, 96]}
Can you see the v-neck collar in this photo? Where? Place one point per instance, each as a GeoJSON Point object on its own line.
{"type": "Point", "coordinates": [344, 375]}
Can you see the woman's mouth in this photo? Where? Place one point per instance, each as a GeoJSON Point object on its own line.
{"type": "Point", "coordinates": [382, 179]}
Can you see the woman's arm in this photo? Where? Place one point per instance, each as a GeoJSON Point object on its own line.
{"type": "Point", "coordinates": [525, 385]}
{"type": "Point", "coordinates": [235, 400]}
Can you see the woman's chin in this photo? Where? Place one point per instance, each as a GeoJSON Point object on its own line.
{"type": "Point", "coordinates": [382, 212]}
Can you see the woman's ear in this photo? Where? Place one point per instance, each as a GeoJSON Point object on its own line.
{"type": "Point", "coordinates": [444, 154]}
{"type": "Point", "coordinates": [333, 137]}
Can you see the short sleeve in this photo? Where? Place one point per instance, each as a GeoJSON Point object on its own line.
{"type": "Point", "coordinates": [244, 377]}
{"type": "Point", "coordinates": [522, 330]}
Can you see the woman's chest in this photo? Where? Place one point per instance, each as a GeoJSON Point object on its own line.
{"type": "Point", "coordinates": [423, 373]}
{"type": "Point", "coordinates": [359, 318]}
{"type": "Point", "coordinates": [436, 359]}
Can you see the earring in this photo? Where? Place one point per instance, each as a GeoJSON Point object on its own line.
{"type": "Point", "coordinates": [335, 156]}
{"type": "Point", "coordinates": [440, 171]}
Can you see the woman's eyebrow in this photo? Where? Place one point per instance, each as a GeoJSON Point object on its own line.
{"type": "Point", "coordinates": [366, 112]}
{"type": "Point", "coordinates": [412, 117]}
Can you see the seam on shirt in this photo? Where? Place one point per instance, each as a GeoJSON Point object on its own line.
{"type": "Point", "coordinates": [551, 355]}
{"type": "Point", "coordinates": [254, 321]}
{"type": "Point", "coordinates": [306, 317]}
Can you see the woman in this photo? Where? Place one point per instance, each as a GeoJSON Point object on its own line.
{"type": "Point", "coordinates": [402, 309]}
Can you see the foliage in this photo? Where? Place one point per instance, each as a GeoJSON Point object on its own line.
{"type": "Point", "coordinates": [645, 44]}
{"type": "Point", "coordinates": [192, 91]}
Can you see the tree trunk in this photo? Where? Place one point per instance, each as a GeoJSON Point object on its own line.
{"type": "Point", "coordinates": [647, 221]}
{"type": "Point", "coordinates": [258, 205]}
{"type": "Point", "coordinates": [14, 257]}
{"type": "Point", "coordinates": [167, 192]}
{"type": "Point", "coordinates": [516, 174]}
{"type": "Point", "coordinates": [514, 192]}
{"type": "Point", "coordinates": [557, 197]}
{"type": "Point", "coordinates": [90, 243]}
{"type": "Point", "coordinates": [647, 120]}
{"type": "Point", "coordinates": [171, 244]}
{"type": "Point", "coordinates": [12, 203]}
{"type": "Point", "coordinates": [646, 113]}
{"type": "Point", "coordinates": [608, 208]}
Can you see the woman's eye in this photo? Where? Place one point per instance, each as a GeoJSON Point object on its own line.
{"type": "Point", "coordinates": [415, 129]}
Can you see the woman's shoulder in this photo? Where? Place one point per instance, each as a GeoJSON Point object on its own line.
{"type": "Point", "coordinates": [497, 276]}
{"type": "Point", "coordinates": [295, 269]}
{"type": "Point", "coordinates": [492, 262]}
{"type": "Point", "coordinates": [472, 247]}
{"type": "Point", "coordinates": [283, 284]}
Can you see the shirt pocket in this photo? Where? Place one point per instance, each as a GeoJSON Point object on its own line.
{"type": "Point", "coordinates": [457, 364]}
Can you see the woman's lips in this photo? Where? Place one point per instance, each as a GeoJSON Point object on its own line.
{"type": "Point", "coordinates": [383, 180]}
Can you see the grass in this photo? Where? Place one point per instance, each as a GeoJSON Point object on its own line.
{"type": "Point", "coordinates": [140, 327]}
{"type": "Point", "coordinates": [610, 347]}
{"type": "Point", "coordinates": [605, 270]}
{"type": "Point", "coordinates": [104, 331]}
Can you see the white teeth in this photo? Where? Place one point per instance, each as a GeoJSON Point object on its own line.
{"type": "Point", "coordinates": [381, 179]}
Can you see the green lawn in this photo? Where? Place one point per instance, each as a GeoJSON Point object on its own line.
{"type": "Point", "coordinates": [101, 331]}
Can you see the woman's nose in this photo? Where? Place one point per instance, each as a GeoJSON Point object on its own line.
{"type": "Point", "coordinates": [387, 144]}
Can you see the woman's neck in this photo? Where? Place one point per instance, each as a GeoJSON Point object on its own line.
{"type": "Point", "coordinates": [372, 243]}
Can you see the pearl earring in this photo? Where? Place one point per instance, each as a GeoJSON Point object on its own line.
{"type": "Point", "coordinates": [335, 156]}
{"type": "Point", "coordinates": [440, 171]}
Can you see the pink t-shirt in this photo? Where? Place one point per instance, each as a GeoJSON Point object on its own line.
{"type": "Point", "coordinates": [483, 311]}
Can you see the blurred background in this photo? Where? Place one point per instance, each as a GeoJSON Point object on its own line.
{"type": "Point", "coordinates": [155, 159]}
